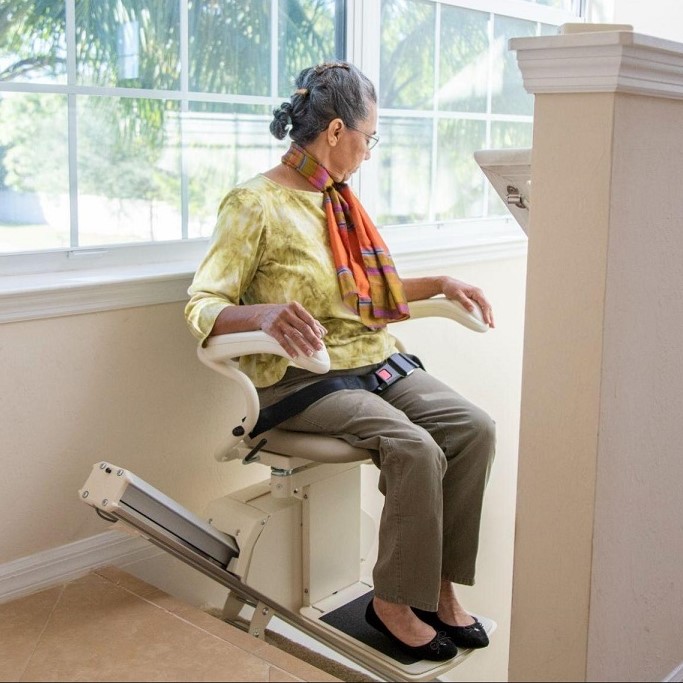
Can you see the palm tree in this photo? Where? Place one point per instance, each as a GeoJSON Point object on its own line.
{"type": "Point", "coordinates": [137, 44]}
{"type": "Point", "coordinates": [31, 38]}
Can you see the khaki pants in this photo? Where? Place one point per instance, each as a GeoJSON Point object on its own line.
{"type": "Point", "coordinates": [434, 450]}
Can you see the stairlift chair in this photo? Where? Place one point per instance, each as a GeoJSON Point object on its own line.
{"type": "Point", "coordinates": [291, 545]}
{"type": "Point", "coordinates": [299, 533]}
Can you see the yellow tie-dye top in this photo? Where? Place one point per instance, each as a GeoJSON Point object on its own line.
{"type": "Point", "coordinates": [271, 245]}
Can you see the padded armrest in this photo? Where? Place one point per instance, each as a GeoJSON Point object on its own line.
{"type": "Point", "coordinates": [226, 347]}
{"type": "Point", "coordinates": [446, 308]}
{"type": "Point", "coordinates": [220, 352]}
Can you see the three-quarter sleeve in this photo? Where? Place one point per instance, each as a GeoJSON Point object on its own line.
{"type": "Point", "coordinates": [230, 263]}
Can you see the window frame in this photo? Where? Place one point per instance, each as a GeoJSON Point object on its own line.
{"type": "Point", "coordinates": [30, 279]}
{"type": "Point", "coordinates": [366, 17]}
{"type": "Point", "coordinates": [63, 258]}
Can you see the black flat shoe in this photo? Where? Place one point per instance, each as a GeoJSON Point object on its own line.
{"type": "Point", "coordinates": [467, 637]}
{"type": "Point", "coordinates": [439, 648]}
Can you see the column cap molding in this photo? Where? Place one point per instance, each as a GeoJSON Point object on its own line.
{"type": "Point", "coordinates": [601, 61]}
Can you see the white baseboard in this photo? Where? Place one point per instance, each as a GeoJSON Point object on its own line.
{"type": "Point", "coordinates": [65, 563]}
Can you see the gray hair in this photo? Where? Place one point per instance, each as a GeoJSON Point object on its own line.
{"type": "Point", "coordinates": [323, 93]}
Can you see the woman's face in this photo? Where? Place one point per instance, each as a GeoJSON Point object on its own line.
{"type": "Point", "coordinates": [352, 147]}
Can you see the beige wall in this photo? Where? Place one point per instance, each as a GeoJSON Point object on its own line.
{"type": "Point", "coordinates": [661, 18]}
{"type": "Point", "coordinates": [637, 594]}
{"type": "Point", "coordinates": [125, 386]}
{"type": "Point", "coordinates": [561, 384]}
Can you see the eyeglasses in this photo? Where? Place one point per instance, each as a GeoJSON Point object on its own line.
{"type": "Point", "coordinates": [372, 140]}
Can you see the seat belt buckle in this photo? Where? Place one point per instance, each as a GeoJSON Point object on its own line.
{"type": "Point", "coordinates": [387, 376]}
{"type": "Point", "coordinates": [397, 367]}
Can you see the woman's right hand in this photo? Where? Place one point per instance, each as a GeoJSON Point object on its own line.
{"type": "Point", "coordinates": [293, 327]}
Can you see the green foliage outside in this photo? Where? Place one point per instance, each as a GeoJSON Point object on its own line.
{"type": "Point", "coordinates": [130, 147]}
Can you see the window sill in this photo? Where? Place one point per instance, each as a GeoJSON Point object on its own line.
{"type": "Point", "coordinates": [26, 296]}
{"type": "Point", "coordinates": [50, 295]}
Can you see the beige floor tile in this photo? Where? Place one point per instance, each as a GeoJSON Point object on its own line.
{"type": "Point", "coordinates": [215, 626]}
{"type": "Point", "coordinates": [296, 667]}
{"type": "Point", "coordinates": [110, 626]}
{"type": "Point", "coordinates": [280, 676]}
{"type": "Point", "coordinates": [21, 623]}
{"type": "Point", "coordinates": [144, 590]}
{"type": "Point", "coordinates": [265, 651]}
{"type": "Point", "coordinates": [129, 582]}
{"type": "Point", "coordinates": [101, 632]}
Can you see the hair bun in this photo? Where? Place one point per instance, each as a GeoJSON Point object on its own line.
{"type": "Point", "coordinates": [282, 118]}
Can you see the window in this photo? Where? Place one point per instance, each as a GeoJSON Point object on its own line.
{"type": "Point", "coordinates": [123, 122]}
{"type": "Point", "coordinates": [448, 86]}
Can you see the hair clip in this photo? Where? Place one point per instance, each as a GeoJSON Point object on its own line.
{"type": "Point", "coordinates": [301, 91]}
{"type": "Point", "coordinates": [320, 68]}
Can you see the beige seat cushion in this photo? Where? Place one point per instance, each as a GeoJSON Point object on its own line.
{"type": "Point", "coordinates": [310, 446]}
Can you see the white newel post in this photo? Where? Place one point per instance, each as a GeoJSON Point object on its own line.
{"type": "Point", "coordinates": [598, 571]}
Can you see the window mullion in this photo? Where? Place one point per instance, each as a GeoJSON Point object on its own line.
{"type": "Point", "coordinates": [72, 123]}
{"type": "Point", "coordinates": [435, 115]}
{"type": "Point", "coordinates": [184, 109]}
{"type": "Point", "coordinates": [275, 150]}
{"type": "Point", "coordinates": [366, 56]}
{"type": "Point", "coordinates": [579, 7]}
{"type": "Point", "coordinates": [341, 48]}
{"type": "Point", "coordinates": [489, 105]}
{"type": "Point", "coordinates": [274, 47]}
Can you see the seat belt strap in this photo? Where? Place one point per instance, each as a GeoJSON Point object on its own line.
{"type": "Point", "coordinates": [396, 367]}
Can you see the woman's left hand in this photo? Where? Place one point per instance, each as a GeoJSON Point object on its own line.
{"type": "Point", "coordinates": [469, 296]}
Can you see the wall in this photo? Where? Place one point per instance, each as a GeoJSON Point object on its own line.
{"type": "Point", "coordinates": [125, 386]}
{"type": "Point", "coordinates": [663, 18]}
{"type": "Point", "coordinates": [637, 594]}
{"type": "Point", "coordinates": [660, 18]}
{"type": "Point", "coordinates": [560, 390]}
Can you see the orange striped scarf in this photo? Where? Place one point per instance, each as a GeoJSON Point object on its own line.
{"type": "Point", "coordinates": [368, 282]}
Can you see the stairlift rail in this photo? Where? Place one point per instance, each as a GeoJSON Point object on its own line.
{"type": "Point", "coordinates": [117, 494]}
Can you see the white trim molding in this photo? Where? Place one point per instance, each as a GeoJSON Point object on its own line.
{"type": "Point", "coordinates": [68, 562]}
{"type": "Point", "coordinates": [601, 61]}
{"type": "Point", "coordinates": [437, 248]}
{"type": "Point", "coordinates": [52, 295]}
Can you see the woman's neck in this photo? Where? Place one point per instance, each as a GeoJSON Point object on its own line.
{"type": "Point", "coordinates": [289, 177]}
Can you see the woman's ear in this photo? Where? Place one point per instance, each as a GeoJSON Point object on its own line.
{"type": "Point", "coordinates": [334, 129]}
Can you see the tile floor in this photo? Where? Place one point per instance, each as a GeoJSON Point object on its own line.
{"type": "Point", "coordinates": [110, 626]}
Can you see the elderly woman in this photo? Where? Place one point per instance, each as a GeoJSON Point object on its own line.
{"type": "Point", "coordinates": [294, 254]}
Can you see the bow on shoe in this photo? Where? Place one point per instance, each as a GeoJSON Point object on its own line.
{"type": "Point", "coordinates": [441, 640]}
